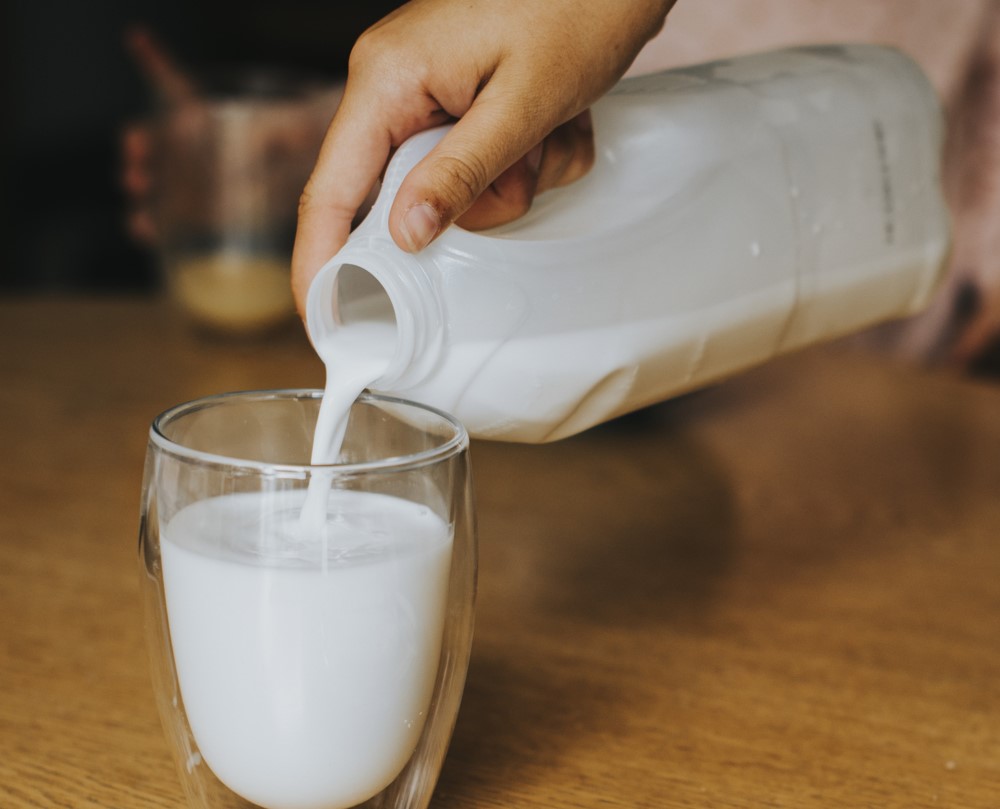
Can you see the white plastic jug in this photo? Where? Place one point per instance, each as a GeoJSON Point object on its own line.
{"type": "Point", "coordinates": [736, 210]}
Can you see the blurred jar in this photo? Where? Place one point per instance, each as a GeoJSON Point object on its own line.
{"type": "Point", "coordinates": [231, 162]}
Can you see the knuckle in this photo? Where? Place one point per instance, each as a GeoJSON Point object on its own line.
{"type": "Point", "coordinates": [385, 51]}
{"type": "Point", "coordinates": [488, 212]}
{"type": "Point", "coordinates": [520, 205]}
{"type": "Point", "coordinates": [367, 48]}
{"type": "Point", "coordinates": [582, 160]}
{"type": "Point", "coordinates": [517, 193]}
{"type": "Point", "coordinates": [460, 180]}
{"type": "Point", "coordinates": [314, 205]}
{"type": "Point", "coordinates": [306, 201]}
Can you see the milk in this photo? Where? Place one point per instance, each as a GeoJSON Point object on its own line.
{"type": "Point", "coordinates": [306, 667]}
{"type": "Point", "coordinates": [306, 626]}
{"type": "Point", "coordinates": [353, 360]}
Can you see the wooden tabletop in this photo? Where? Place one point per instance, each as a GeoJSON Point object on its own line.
{"type": "Point", "coordinates": [780, 592]}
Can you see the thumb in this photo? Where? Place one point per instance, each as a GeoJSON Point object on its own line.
{"type": "Point", "coordinates": [487, 140]}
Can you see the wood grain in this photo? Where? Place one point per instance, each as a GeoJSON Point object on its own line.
{"type": "Point", "coordinates": [780, 592]}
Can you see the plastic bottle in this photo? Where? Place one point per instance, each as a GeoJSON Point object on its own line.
{"type": "Point", "coordinates": [736, 210]}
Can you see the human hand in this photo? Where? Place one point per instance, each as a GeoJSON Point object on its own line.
{"type": "Point", "coordinates": [517, 75]}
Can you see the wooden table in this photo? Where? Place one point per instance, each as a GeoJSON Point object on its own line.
{"type": "Point", "coordinates": [781, 592]}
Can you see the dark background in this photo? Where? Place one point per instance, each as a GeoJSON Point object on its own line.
{"type": "Point", "coordinates": [69, 86]}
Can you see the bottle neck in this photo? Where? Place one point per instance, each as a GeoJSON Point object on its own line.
{"type": "Point", "coordinates": [374, 286]}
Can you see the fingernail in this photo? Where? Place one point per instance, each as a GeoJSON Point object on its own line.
{"type": "Point", "coordinates": [420, 224]}
{"type": "Point", "coordinates": [534, 158]}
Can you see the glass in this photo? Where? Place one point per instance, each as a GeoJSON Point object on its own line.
{"type": "Point", "coordinates": [231, 163]}
{"type": "Point", "coordinates": [298, 664]}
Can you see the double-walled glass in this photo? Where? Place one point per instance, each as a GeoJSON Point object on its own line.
{"type": "Point", "coordinates": [307, 657]}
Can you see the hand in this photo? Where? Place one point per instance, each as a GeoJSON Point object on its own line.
{"type": "Point", "coordinates": [518, 75]}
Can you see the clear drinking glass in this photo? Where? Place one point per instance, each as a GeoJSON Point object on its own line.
{"type": "Point", "coordinates": [303, 663]}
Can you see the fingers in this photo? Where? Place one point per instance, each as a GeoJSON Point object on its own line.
{"type": "Point", "coordinates": [508, 197]}
{"type": "Point", "coordinates": [568, 153]}
{"type": "Point", "coordinates": [562, 158]}
{"type": "Point", "coordinates": [455, 181]}
{"type": "Point", "coordinates": [458, 169]}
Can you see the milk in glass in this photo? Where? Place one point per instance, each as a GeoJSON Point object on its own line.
{"type": "Point", "coordinates": [306, 626]}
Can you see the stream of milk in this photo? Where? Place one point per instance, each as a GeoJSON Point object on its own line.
{"type": "Point", "coordinates": [354, 358]}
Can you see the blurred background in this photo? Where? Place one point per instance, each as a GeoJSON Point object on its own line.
{"type": "Point", "coordinates": [70, 87]}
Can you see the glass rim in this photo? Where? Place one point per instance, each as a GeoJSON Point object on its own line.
{"type": "Point", "coordinates": [448, 447]}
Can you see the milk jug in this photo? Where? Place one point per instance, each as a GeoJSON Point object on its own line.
{"type": "Point", "coordinates": [736, 210]}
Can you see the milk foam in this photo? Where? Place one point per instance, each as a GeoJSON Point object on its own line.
{"type": "Point", "coordinates": [306, 668]}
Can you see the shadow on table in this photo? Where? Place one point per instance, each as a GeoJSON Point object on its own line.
{"type": "Point", "coordinates": [631, 522]}
{"type": "Point", "coordinates": [587, 546]}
